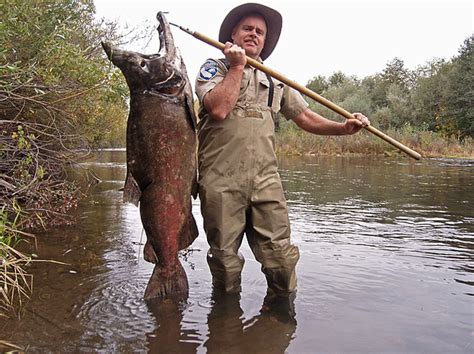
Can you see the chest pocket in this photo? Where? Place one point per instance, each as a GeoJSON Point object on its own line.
{"type": "Point", "coordinates": [271, 92]}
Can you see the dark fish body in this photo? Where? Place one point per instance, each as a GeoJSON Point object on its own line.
{"type": "Point", "coordinates": [161, 157]}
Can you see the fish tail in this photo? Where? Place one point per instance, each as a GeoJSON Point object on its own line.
{"type": "Point", "coordinates": [131, 190]}
{"type": "Point", "coordinates": [170, 286]}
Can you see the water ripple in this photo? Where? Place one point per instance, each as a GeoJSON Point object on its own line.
{"type": "Point", "coordinates": [116, 298]}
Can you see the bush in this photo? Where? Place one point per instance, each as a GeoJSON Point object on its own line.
{"type": "Point", "coordinates": [58, 94]}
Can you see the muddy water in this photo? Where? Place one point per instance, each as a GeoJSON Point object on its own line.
{"type": "Point", "coordinates": [387, 262]}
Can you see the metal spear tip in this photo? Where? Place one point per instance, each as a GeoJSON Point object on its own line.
{"type": "Point", "coordinates": [187, 30]}
{"type": "Point", "coordinates": [180, 27]}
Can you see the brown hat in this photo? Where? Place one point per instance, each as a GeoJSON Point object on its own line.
{"type": "Point", "coordinates": [272, 18]}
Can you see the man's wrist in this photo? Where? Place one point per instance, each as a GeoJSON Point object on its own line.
{"type": "Point", "coordinates": [237, 67]}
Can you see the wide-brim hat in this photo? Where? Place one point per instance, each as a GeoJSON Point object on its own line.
{"type": "Point", "coordinates": [272, 18]}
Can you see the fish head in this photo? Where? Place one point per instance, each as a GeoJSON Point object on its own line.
{"type": "Point", "coordinates": [163, 72]}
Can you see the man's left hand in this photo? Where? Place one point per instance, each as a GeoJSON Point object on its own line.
{"type": "Point", "coordinates": [359, 121]}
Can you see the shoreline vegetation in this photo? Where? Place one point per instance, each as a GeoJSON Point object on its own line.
{"type": "Point", "coordinates": [60, 98]}
{"type": "Point", "coordinates": [294, 142]}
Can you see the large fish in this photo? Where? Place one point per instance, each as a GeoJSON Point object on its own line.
{"type": "Point", "coordinates": [161, 157]}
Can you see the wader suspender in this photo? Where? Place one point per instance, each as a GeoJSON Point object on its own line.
{"type": "Point", "coordinates": [271, 88]}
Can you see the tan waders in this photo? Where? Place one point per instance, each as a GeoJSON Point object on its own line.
{"type": "Point", "coordinates": [240, 189]}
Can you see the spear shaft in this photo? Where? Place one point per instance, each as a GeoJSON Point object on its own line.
{"type": "Point", "coordinates": [304, 90]}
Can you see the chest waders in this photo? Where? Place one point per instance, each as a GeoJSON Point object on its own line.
{"type": "Point", "coordinates": [241, 191]}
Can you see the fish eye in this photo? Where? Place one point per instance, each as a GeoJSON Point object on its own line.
{"type": "Point", "coordinates": [143, 63]}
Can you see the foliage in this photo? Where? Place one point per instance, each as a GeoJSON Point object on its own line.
{"type": "Point", "coordinates": [293, 141]}
{"type": "Point", "coordinates": [59, 96]}
{"type": "Point", "coordinates": [318, 84]}
{"type": "Point", "coordinates": [55, 72]}
{"type": "Point", "coordinates": [436, 97]}
{"type": "Point", "coordinates": [429, 90]}
{"type": "Point", "coordinates": [458, 113]}
{"type": "Point", "coordinates": [33, 176]}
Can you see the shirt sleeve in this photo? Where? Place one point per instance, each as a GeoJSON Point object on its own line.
{"type": "Point", "coordinates": [292, 103]}
{"type": "Point", "coordinates": [210, 74]}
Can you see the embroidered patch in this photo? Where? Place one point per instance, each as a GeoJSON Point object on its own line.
{"type": "Point", "coordinates": [208, 70]}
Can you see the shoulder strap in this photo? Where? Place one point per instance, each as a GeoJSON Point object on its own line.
{"type": "Point", "coordinates": [271, 90]}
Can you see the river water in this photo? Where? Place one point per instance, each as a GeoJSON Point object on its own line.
{"type": "Point", "coordinates": [387, 262]}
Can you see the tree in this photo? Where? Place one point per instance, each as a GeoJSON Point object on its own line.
{"type": "Point", "coordinates": [389, 93]}
{"type": "Point", "coordinates": [396, 73]}
{"type": "Point", "coordinates": [344, 91]}
{"type": "Point", "coordinates": [428, 93]}
{"type": "Point", "coordinates": [458, 114]}
{"type": "Point", "coordinates": [318, 84]}
{"type": "Point", "coordinates": [57, 93]}
{"type": "Point", "coordinates": [399, 105]}
{"type": "Point", "coordinates": [337, 79]}
{"type": "Point", "coordinates": [376, 90]}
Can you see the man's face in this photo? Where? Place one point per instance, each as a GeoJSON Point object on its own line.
{"type": "Point", "coordinates": [250, 34]}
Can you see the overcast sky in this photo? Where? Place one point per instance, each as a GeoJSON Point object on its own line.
{"type": "Point", "coordinates": [319, 37]}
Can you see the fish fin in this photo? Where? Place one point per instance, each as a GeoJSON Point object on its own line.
{"type": "Point", "coordinates": [131, 190]}
{"type": "Point", "coordinates": [173, 285]}
{"type": "Point", "coordinates": [149, 253]}
{"type": "Point", "coordinates": [189, 233]}
{"type": "Point", "coordinates": [190, 107]}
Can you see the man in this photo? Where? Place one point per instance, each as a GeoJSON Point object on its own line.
{"type": "Point", "coordinates": [239, 185]}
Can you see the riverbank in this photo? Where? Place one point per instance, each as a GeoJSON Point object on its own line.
{"type": "Point", "coordinates": [296, 142]}
{"type": "Point", "coordinates": [292, 141]}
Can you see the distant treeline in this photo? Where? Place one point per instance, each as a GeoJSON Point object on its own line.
{"type": "Point", "coordinates": [431, 107]}
{"type": "Point", "coordinates": [437, 96]}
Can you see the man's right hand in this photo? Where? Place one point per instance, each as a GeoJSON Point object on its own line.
{"type": "Point", "coordinates": [235, 55]}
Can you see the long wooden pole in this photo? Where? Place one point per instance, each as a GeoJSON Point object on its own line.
{"type": "Point", "coordinates": [304, 90]}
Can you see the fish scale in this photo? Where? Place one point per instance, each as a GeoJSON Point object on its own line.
{"type": "Point", "coordinates": [161, 157]}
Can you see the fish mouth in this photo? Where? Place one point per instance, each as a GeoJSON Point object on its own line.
{"type": "Point", "coordinates": [159, 73]}
{"type": "Point", "coordinates": [167, 48]}
{"type": "Point", "coordinates": [171, 60]}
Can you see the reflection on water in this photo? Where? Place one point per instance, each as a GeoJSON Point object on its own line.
{"type": "Point", "coordinates": [229, 329]}
{"type": "Point", "coordinates": [387, 251]}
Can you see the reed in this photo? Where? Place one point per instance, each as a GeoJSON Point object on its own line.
{"type": "Point", "coordinates": [293, 141]}
{"type": "Point", "coordinates": [12, 348]}
{"type": "Point", "coordinates": [15, 283]}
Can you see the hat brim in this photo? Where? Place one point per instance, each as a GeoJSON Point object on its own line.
{"type": "Point", "coordinates": [272, 18]}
